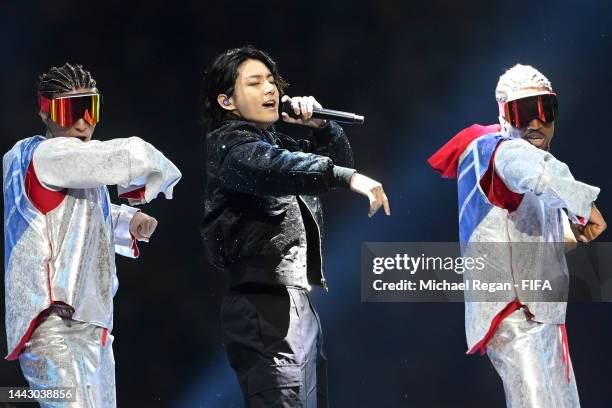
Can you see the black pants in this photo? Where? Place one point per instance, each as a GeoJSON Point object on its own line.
{"type": "Point", "coordinates": [274, 343]}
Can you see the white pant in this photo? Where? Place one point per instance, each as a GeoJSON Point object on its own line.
{"type": "Point", "coordinates": [68, 353]}
{"type": "Point", "coordinates": [528, 356]}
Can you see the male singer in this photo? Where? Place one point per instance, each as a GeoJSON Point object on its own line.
{"type": "Point", "coordinates": [262, 225]}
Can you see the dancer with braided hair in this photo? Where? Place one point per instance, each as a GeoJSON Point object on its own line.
{"type": "Point", "coordinates": [61, 234]}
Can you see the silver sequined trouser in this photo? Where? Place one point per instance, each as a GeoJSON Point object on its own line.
{"type": "Point", "coordinates": [68, 353]}
{"type": "Point", "coordinates": [529, 358]}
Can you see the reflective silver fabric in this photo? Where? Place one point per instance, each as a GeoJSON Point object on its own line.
{"type": "Point", "coordinates": [130, 163]}
{"type": "Point", "coordinates": [82, 267]}
{"type": "Point", "coordinates": [122, 216]}
{"type": "Point", "coordinates": [67, 353]}
{"type": "Point", "coordinates": [547, 186]}
{"type": "Point", "coordinates": [528, 356]}
{"type": "Point", "coordinates": [68, 254]}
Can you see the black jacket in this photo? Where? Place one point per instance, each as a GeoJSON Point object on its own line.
{"type": "Point", "coordinates": [262, 217]}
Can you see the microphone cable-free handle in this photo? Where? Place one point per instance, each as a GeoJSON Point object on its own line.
{"type": "Point", "coordinates": [327, 114]}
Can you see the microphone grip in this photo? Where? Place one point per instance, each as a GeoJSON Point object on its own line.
{"type": "Point", "coordinates": [338, 116]}
{"type": "Point", "coordinates": [327, 114]}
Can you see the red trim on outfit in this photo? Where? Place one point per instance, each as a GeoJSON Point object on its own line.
{"type": "Point", "coordinates": [135, 246]}
{"type": "Point", "coordinates": [104, 336]}
{"type": "Point", "coordinates": [45, 200]}
{"type": "Point", "coordinates": [137, 194]}
{"type": "Point", "coordinates": [42, 198]}
{"type": "Point", "coordinates": [505, 312]}
{"type": "Point", "coordinates": [565, 351]}
{"type": "Point", "coordinates": [446, 159]}
{"type": "Point", "coordinates": [49, 279]}
{"type": "Point", "coordinates": [494, 187]}
{"type": "Point", "coordinates": [33, 324]}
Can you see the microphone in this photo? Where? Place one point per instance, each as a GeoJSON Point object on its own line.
{"type": "Point", "coordinates": [327, 114]}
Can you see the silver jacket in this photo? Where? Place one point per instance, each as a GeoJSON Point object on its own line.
{"type": "Point", "coordinates": [526, 244]}
{"type": "Point", "coordinates": [66, 253]}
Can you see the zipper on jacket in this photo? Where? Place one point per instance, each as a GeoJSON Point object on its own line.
{"type": "Point", "coordinates": [314, 220]}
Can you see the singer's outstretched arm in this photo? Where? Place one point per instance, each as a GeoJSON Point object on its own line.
{"type": "Point", "coordinates": [248, 164]}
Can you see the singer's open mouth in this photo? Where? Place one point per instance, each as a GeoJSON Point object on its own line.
{"type": "Point", "coordinates": [270, 104]}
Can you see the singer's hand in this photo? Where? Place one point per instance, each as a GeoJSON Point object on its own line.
{"type": "Point", "coordinates": [303, 107]}
{"type": "Point", "coordinates": [371, 189]}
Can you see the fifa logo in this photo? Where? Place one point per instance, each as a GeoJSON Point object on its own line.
{"type": "Point", "coordinates": [535, 284]}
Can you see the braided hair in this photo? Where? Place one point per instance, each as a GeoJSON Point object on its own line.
{"type": "Point", "coordinates": [66, 78]}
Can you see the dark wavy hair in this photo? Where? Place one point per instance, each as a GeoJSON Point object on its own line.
{"type": "Point", "coordinates": [220, 78]}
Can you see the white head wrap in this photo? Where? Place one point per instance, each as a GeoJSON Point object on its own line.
{"type": "Point", "coordinates": [518, 82]}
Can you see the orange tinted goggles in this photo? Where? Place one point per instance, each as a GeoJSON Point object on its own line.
{"type": "Point", "coordinates": [520, 112]}
{"type": "Point", "coordinates": [66, 110]}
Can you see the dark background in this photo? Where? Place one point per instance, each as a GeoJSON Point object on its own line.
{"type": "Point", "coordinates": [418, 72]}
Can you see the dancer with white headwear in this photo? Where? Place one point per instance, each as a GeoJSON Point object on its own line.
{"type": "Point", "coordinates": [515, 200]}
